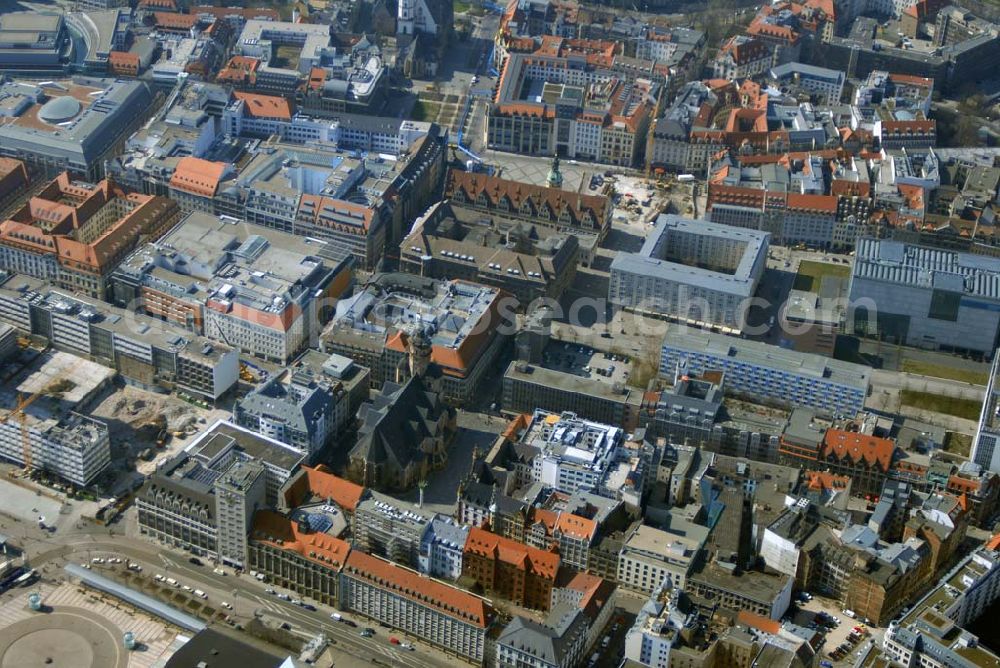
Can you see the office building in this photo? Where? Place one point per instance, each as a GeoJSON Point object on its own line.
{"type": "Point", "coordinates": [575, 454]}
{"type": "Point", "coordinates": [511, 570]}
{"type": "Point", "coordinates": [178, 505]}
{"type": "Point", "coordinates": [402, 326]}
{"type": "Point", "coordinates": [72, 125]}
{"type": "Point", "coordinates": [926, 297]}
{"type": "Point", "coordinates": [763, 372]}
{"type": "Point", "coordinates": [266, 292]}
{"type": "Point", "coordinates": [826, 84]}
{"type": "Point", "coordinates": [298, 555]}
{"type": "Point", "coordinates": [439, 614]}
{"type": "Point", "coordinates": [239, 493]}
{"type": "Point", "coordinates": [453, 241]}
{"type": "Point", "coordinates": [73, 234]}
{"type": "Point", "coordinates": [442, 547]}
{"type": "Point", "coordinates": [691, 271]}
{"type": "Point", "coordinates": [296, 408]}
{"type": "Point", "coordinates": [650, 556]}
{"type": "Point", "coordinates": [146, 351]}
{"type": "Point", "coordinates": [32, 41]}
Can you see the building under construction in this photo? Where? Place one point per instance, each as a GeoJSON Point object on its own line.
{"type": "Point", "coordinates": [42, 422]}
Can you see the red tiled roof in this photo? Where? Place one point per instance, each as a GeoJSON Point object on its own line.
{"type": "Point", "coordinates": [759, 622]}
{"type": "Point", "coordinates": [319, 482]}
{"type": "Point", "coordinates": [824, 480]}
{"type": "Point", "coordinates": [858, 447]}
{"type": "Point", "coordinates": [824, 203]}
{"type": "Point", "coordinates": [270, 527]}
{"type": "Point", "coordinates": [524, 557]}
{"type": "Point", "coordinates": [449, 600]}
{"type": "Point", "coordinates": [197, 176]}
{"type": "Point", "coordinates": [265, 106]}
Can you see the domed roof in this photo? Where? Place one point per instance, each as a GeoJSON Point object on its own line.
{"type": "Point", "coordinates": [59, 109]}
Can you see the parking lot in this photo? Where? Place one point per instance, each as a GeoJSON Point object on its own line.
{"type": "Point", "coordinates": [838, 629]}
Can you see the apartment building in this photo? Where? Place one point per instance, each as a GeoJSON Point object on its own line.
{"type": "Point", "coordinates": [741, 57]}
{"type": "Point", "coordinates": [780, 376]}
{"type": "Point", "coordinates": [510, 570]}
{"type": "Point", "coordinates": [74, 234]}
{"type": "Point", "coordinates": [296, 408]}
{"type": "Point", "coordinates": [442, 615]}
{"type": "Point", "coordinates": [691, 271]}
{"type": "Point", "coordinates": [442, 547]}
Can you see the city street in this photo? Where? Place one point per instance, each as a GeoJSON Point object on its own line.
{"type": "Point", "coordinates": [246, 594]}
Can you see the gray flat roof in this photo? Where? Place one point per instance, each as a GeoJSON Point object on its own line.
{"type": "Point", "coordinates": [813, 71]}
{"type": "Point", "coordinates": [761, 354]}
{"type": "Point", "coordinates": [741, 281]}
{"type": "Point", "coordinates": [932, 268]}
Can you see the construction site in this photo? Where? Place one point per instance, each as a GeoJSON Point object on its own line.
{"type": "Point", "coordinates": [147, 427]}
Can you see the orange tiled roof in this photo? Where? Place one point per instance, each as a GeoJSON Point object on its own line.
{"type": "Point", "coordinates": [824, 480]}
{"type": "Point", "coordinates": [319, 482]}
{"type": "Point", "coordinates": [574, 525]}
{"type": "Point", "coordinates": [994, 542]}
{"type": "Point", "coordinates": [265, 106]}
{"type": "Point", "coordinates": [524, 557]}
{"type": "Point", "coordinates": [448, 600]}
{"type": "Point", "coordinates": [824, 203]}
{"type": "Point", "coordinates": [197, 176]}
{"type": "Point", "coordinates": [175, 21]}
{"type": "Point", "coordinates": [911, 80]}
{"type": "Point", "coordinates": [123, 58]}
{"type": "Point", "coordinates": [759, 622]}
{"type": "Point", "coordinates": [858, 447]}
{"type": "Point", "coordinates": [270, 527]}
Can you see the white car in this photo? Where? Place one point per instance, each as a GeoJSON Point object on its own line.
{"type": "Point", "coordinates": [159, 578]}
{"type": "Point", "coordinates": [97, 560]}
{"type": "Point", "coordinates": [186, 588]}
{"type": "Point", "coordinates": [227, 606]}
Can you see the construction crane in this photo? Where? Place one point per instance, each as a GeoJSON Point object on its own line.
{"type": "Point", "coordinates": [18, 414]}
